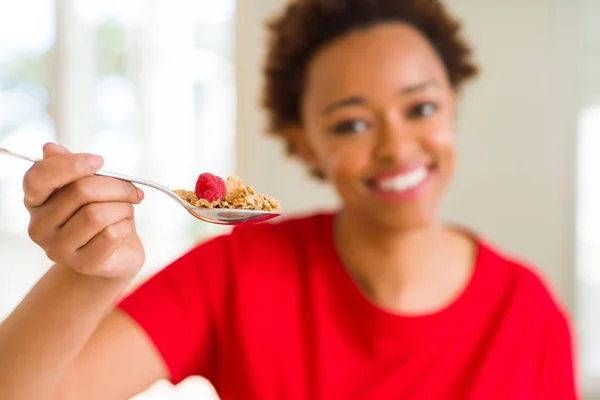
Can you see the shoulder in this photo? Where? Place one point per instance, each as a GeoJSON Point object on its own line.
{"type": "Point", "coordinates": [288, 224]}
{"type": "Point", "coordinates": [249, 255]}
{"type": "Point", "coordinates": [262, 264]}
{"type": "Point", "coordinates": [524, 285]}
{"type": "Point", "coordinates": [267, 244]}
{"type": "Point", "coordinates": [266, 233]}
{"type": "Point", "coordinates": [532, 314]}
{"type": "Point", "coordinates": [295, 231]}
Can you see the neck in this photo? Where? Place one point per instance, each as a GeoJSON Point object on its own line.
{"type": "Point", "coordinates": [389, 263]}
{"type": "Point", "coordinates": [399, 252]}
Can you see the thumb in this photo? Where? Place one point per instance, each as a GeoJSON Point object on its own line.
{"type": "Point", "coordinates": [53, 149]}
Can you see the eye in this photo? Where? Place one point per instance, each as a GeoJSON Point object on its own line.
{"type": "Point", "coordinates": [422, 110]}
{"type": "Point", "coordinates": [350, 126]}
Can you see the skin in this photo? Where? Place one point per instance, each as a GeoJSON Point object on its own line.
{"type": "Point", "coordinates": [73, 348]}
{"type": "Point", "coordinates": [376, 100]}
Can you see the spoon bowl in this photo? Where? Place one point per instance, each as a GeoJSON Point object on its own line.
{"type": "Point", "coordinates": [231, 216]}
{"type": "Point", "coordinates": [220, 216]}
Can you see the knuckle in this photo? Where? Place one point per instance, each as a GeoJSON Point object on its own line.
{"type": "Point", "coordinates": [93, 214]}
{"type": "Point", "coordinates": [128, 228]}
{"type": "Point", "coordinates": [31, 180]}
{"type": "Point", "coordinates": [83, 192]}
{"type": "Point", "coordinates": [34, 232]}
{"type": "Point", "coordinates": [129, 211]}
{"type": "Point", "coordinates": [112, 233]}
{"type": "Point", "coordinates": [54, 252]}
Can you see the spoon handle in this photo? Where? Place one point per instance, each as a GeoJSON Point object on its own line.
{"type": "Point", "coordinates": [213, 216]}
{"type": "Point", "coordinates": [127, 178]}
{"type": "Point", "coordinates": [139, 181]}
{"type": "Point", "coordinates": [16, 155]}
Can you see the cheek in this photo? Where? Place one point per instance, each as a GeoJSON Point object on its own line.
{"type": "Point", "coordinates": [345, 160]}
{"type": "Point", "coordinates": [443, 144]}
{"type": "Point", "coordinates": [443, 139]}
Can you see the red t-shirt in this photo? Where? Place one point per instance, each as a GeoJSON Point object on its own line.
{"type": "Point", "coordinates": [269, 312]}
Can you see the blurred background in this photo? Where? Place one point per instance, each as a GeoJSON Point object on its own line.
{"type": "Point", "coordinates": [167, 89]}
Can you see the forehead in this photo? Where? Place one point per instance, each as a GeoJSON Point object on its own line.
{"type": "Point", "coordinates": [385, 57]}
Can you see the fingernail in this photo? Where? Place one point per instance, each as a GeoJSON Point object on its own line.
{"type": "Point", "coordinates": [140, 194]}
{"type": "Point", "coordinates": [95, 161]}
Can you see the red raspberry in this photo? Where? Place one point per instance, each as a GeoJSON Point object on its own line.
{"type": "Point", "coordinates": [210, 187]}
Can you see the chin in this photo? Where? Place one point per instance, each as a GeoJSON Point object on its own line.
{"type": "Point", "coordinates": [401, 199]}
{"type": "Point", "coordinates": [406, 222]}
{"type": "Point", "coordinates": [405, 208]}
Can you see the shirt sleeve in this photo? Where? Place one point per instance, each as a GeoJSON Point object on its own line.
{"type": "Point", "coordinates": [557, 374]}
{"type": "Point", "coordinates": [180, 308]}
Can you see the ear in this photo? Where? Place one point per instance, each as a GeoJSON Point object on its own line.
{"type": "Point", "coordinates": [300, 144]}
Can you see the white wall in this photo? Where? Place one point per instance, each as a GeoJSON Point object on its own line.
{"type": "Point", "coordinates": [261, 159]}
{"type": "Point", "coordinates": [518, 120]}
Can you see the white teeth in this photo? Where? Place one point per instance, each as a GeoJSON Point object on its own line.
{"type": "Point", "coordinates": [404, 182]}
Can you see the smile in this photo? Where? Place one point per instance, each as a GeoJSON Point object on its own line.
{"type": "Point", "coordinates": [405, 185]}
{"type": "Point", "coordinates": [405, 181]}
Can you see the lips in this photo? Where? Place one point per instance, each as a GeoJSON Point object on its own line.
{"type": "Point", "coordinates": [404, 184]}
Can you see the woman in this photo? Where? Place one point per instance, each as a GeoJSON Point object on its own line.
{"type": "Point", "coordinates": [377, 301]}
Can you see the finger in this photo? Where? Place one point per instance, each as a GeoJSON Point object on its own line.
{"type": "Point", "coordinates": [95, 257]}
{"type": "Point", "coordinates": [55, 172]}
{"type": "Point", "coordinates": [86, 224]}
{"type": "Point", "coordinates": [53, 149]}
{"type": "Point", "coordinates": [63, 204]}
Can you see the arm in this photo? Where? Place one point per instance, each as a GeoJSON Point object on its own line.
{"type": "Point", "coordinates": [58, 341]}
{"type": "Point", "coordinates": [85, 225]}
{"type": "Point", "coordinates": [166, 328]}
{"type": "Point", "coordinates": [557, 372]}
{"type": "Point", "coordinates": [118, 362]}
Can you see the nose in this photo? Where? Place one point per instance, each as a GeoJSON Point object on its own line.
{"type": "Point", "coordinates": [396, 142]}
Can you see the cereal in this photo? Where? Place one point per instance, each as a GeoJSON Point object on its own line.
{"type": "Point", "coordinates": [238, 196]}
{"type": "Point", "coordinates": [235, 188]}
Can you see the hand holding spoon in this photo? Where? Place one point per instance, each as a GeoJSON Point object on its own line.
{"type": "Point", "coordinates": [221, 216]}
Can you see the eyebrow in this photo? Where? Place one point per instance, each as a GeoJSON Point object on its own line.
{"type": "Point", "coordinates": [418, 87]}
{"type": "Point", "coordinates": [350, 101]}
{"type": "Point", "coordinates": [358, 100]}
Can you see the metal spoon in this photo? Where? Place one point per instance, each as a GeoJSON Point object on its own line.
{"type": "Point", "coordinates": [221, 216]}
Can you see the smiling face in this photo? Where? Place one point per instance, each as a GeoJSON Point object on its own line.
{"type": "Point", "coordinates": [378, 113]}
